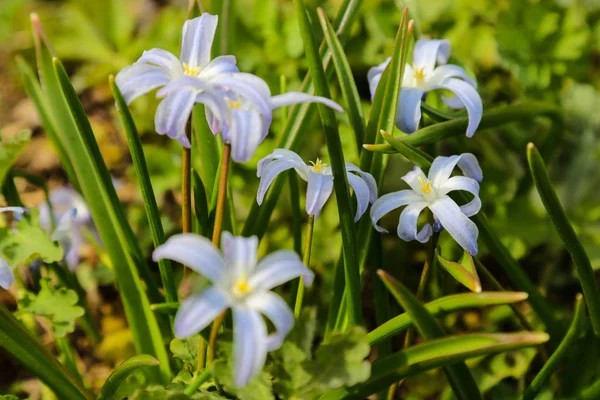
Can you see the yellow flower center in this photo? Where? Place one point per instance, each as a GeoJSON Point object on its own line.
{"type": "Point", "coordinates": [241, 288]}
{"type": "Point", "coordinates": [425, 185]}
{"type": "Point", "coordinates": [235, 105]}
{"type": "Point", "coordinates": [419, 74]}
{"type": "Point", "coordinates": [318, 166]}
{"type": "Point", "coordinates": [191, 71]}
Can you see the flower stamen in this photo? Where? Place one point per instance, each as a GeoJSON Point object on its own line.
{"type": "Point", "coordinates": [425, 185]}
{"type": "Point", "coordinates": [419, 74]}
{"type": "Point", "coordinates": [241, 288]}
{"type": "Point", "coordinates": [234, 105]}
{"type": "Point", "coordinates": [191, 71]}
{"type": "Point", "coordinates": [318, 166]}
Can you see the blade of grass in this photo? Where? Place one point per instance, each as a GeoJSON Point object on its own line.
{"type": "Point", "coordinates": [567, 234]}
{"type": "Point", "coordinates": [575, 331]}
{"type": "Point", "coordinates": [459, 376]}
{"type": "Point", "coordinates": [201, 205]}
{"type": "Point", "coordinates": [120, 374]}
{"type": "Point", "coordinates": [32, 355]}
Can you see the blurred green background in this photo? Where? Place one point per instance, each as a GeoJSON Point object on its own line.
{"type": "Point", "coordinates": [544, 50]}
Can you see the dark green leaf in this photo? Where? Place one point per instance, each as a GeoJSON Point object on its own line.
{"type": "Point", "coordinates": [121, 373]}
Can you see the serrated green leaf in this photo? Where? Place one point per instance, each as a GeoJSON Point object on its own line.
{"type": "Point", "coordinates": [463, 271]}
{"type": "Point", "coordinates": [57, 305]}
{"type": "Point", "coordinates": [186, 350]}
{"type": "Point", "coordinates": [28, 241]}
{"type": "Point", "coordinates": [10, 150]}
{"type": "Point", "coordinates": [162, 393]}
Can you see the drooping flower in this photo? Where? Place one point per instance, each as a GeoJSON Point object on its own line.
{"type": "Point", "coordinates": [242, 284]}
{"type": "Point", "coordinates": [7, 276]}
{"type": "Point", "coordinates": [319, 178]}
{"type": "Point", "coordinates": [432, 192]}
{"type": "Point", "coordinates": [157, 67]}
{"type": "Point", "coordinates": [423, 76]}
{"type": "Point", "coordinates": [71, 215]}
{"type": "Point", "coordinates": [245, 113]}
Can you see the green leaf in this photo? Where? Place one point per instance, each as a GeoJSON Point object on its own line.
{"type": "Point", "coordinates": [576, 330]}
{"type": "Point", "coordinates": [8, 397]}
{"type": "Point", "coordinates": [141, 170]}
{"type": "Point", "coordinates": [458, 374]}
{"type": "Point", "coordinates": [27, 242]}
{"type": "Point", "coordinates": [437, 353]}
{"type": "Point", "coordinates": [57, 305]}
{"type": "Point", "coordinates": [121, 373]}
{"type": "Point", "coordinates": [445, 305]}
{"type": "Point", "coordinates": [186, 350]}
{"type": "Point", "coordinates": [338, 168]}
{"type": "Point", "coordinates": [346, 80]}
{"type": "Point", "coordinates": [200, 205]}
{"type": "Point", "coordinates": [30, 353]}
{"type": "Point", "coordinates": [463, 271]}
{"type": "Point", "coordinates": [162, 393]}
{"type": "Point", "coordinates": [567, 234]}
{"type": "Point", "coordinates": [10, 150]}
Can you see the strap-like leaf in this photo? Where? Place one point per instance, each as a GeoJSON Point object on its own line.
{"type": "Point", "coordinates": [121, 373]}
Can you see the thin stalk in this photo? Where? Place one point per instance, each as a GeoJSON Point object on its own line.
{"type": "Point", "coordinates": [212, 340]}
{"type": "Point", "coordinates": [63, 345]}
{"type": "Point", "coordinates": [306, 260]}
{"type": "Point", "coordinates": [199, 380]}
{"type": "Point", "coordinates": [186, 187]}
{"type": "Point", "coordinates": [201, 354]}
{"type": "Point", "coordinates": [222, 195]}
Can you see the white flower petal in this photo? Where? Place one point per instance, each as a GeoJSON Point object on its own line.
{"type": "Point", "coordinates": [138, 79]}
{"type": "Point", "coordinates": [198, 35]}
{"type": "Point", "coordinates": [249, 345]}
{"type": "Point", "coordinates": [173, 113]}
{"type": "Point", "coordinates": [469, 166]}
{"type": "Point", "coordinates": [219, 65]}
{"type": "Point", "coordinates": [65, 225]}
{"type": "Point", "coordinates": [277, 310]}
{"type": "Point", "coordinates": [250, 87]}
{"type": "Point", "coordinates": [368, 178]}
{"type": "Point", "coordinates": [278, 268]}
{"type": "Point", "coordinates": [389, 202]}
{"type": "Point", "coordinates": [428, 52]}
{"type": "Point", "coordinates": [198, 311]}
{"type": "Point", "coordinates": [162, 58]}
{"type": "Point", "coordinates": [7, 277]}
{"type": "Point", "coordinates": [374, 76]}
{"type": "Point", "coordinates": [444, 72]}
{"type": "Point", "coordinates": [362, 194]}
{"type": "Point", "coordinates": [283, 154]}
{"type": "Point", "coordinates": [318, 192]}
{"type": "Point", "coordinates": [17, 211]}
{"type": "Point", "coordinates": [469, 97]}
{"type": "Point", "coordinates": [459, 183]}
{"type": "Point", "coordinates": [407, 228]}
{"type": "Point", "coordinates": [472, 207]}
{"type": "Point", "coordinates": [458, 225]}
{"type": "Point", "coordinates": [244, 134]}
{"type": "Point", "coordinates": [72, 250]}
{"type": "Point", "coordinates": [239, 253]}
{"type": "Point", "coordinates": [408, 115]}
{"type": "Point", "coordinates": [287, 99]}
{"type": "Point", "coordinates": [195, 251]}
{"type": "Point", "coordinates": [441, 169]}
{"type": "Point", "coordinates": [414, 178]}
{"type": "Point", "coordinates": [216, 111]}
{"type": "Point", "coordinates": [274, 164]}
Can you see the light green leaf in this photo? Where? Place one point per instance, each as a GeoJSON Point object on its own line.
{"type": "Point", "coordinates": [121, 373]}
{"type": "Point", "coordinates": [9, 151]}
{"type": "Point", "coordinates": [57, 305]}
{"type": "Point", "coordinates": [463, 271]}
{"type": "Point", "coordinates": [186, 350]}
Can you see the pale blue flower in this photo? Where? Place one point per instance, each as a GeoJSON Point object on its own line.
{"type": "Point", "coordinates": [423, 76]}
{"type": "Point", "coordinates": [432, 192]}
{"type": "Point", "coordinates": [245, 112]}
{"type": "Point", "coordinates": [7, 276]}
{"type": "Point", "coordinates": [319, 178]}
{"type": "Point", "coordinates": [242, 284]}
{"type": "Point", "coordinates": [157, 67]}
{"type": "Point", "coordinates": [72, 216]}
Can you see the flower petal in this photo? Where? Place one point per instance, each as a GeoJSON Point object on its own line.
{"type": "Point", "coordinates": [7, 277]}
{"type": "Point", "coordinates": [274, 164]}
{"type": "Point", "coordinates": [362, 194]}
{"type": "Point", "coordinates": [195, 251]}
{"type": "Point", "coordinates": [17, 211]}
{"type": "Point", "coordinates": [458, 225]}
{"type": "Point", "coordinates": [278, 268]}
{"type": "Point", "coordinates": [407, 228]}
{"type": "Point", "coordinates": [389, 202]}
{"type": "Point", "coordinates": [408, 115]}
{"type": "Point", "coordinates": [249, 345]}
{"type": "Point", "coordinates": [289, 98]}
{"type": "Point", "coordinates": [459, 183]}
{"type": "Point", "coordinates": [472, 207]}
{"type": "Point", "coordinates": [198, 35]}
{"type": "Point", "coordinates": [444, 72]}
{"type": "Point", "coordinates": [441, 169]}
{"type": "Point", "coordinates": [414, 178]}
{"type": "Point", "coordinates": [368, 178]}
{"type": "Point", "coordinates": [469, 96]}
{"type": "Point", "coordinates": [165, 60]}
{"type": "Point", "coordinates": [277, 310]}
{"type": "Point", "coordinates": [244, 134]}
{"type": "Point", "coordinates": [198, 311]}
{"type": "Point", "coordinates": [374, 76]}
{"type": "Point", "coordinates": [469, 166]}
{"type": "Point", "coordinates": [239, 253]}
{"type": "Point", "coordinates": [139, 79]}
{"type": "Point", "coordinates": [173, 113]}
{"type": "Point", "coordinates": [427, 52]}
{"type": "Point", "coordinates": [318, 191]}
{"type": "Point", "coordinates": [65, 225]}
{"type": "Point", "coordinates": [219, 65]}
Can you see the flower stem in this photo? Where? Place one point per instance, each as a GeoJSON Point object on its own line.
{"type": "Point", "coordinates": [63, 345]}
{"type": "Point", "coordinates": [186, 187]}
{"type": "Point", "coordinates": [212, 340]}
{"type": "Point", "coordinates": [222, 195]}
{"type": "Point", "coordinates": [306, 260]}
{"type": "Point", "coordinates": [199, 380]}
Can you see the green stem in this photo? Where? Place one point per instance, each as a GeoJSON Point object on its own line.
{"type": "Point", "coordinates": [186, 189]}
{"type": "Point", "coordinates": [222, 195]}
{"type": "Point", "coordinates": [63, 345]}
{"type": "Point", "coordinates": [306, 260]}
{"type": "Point", "coordinates": [199, 380]}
